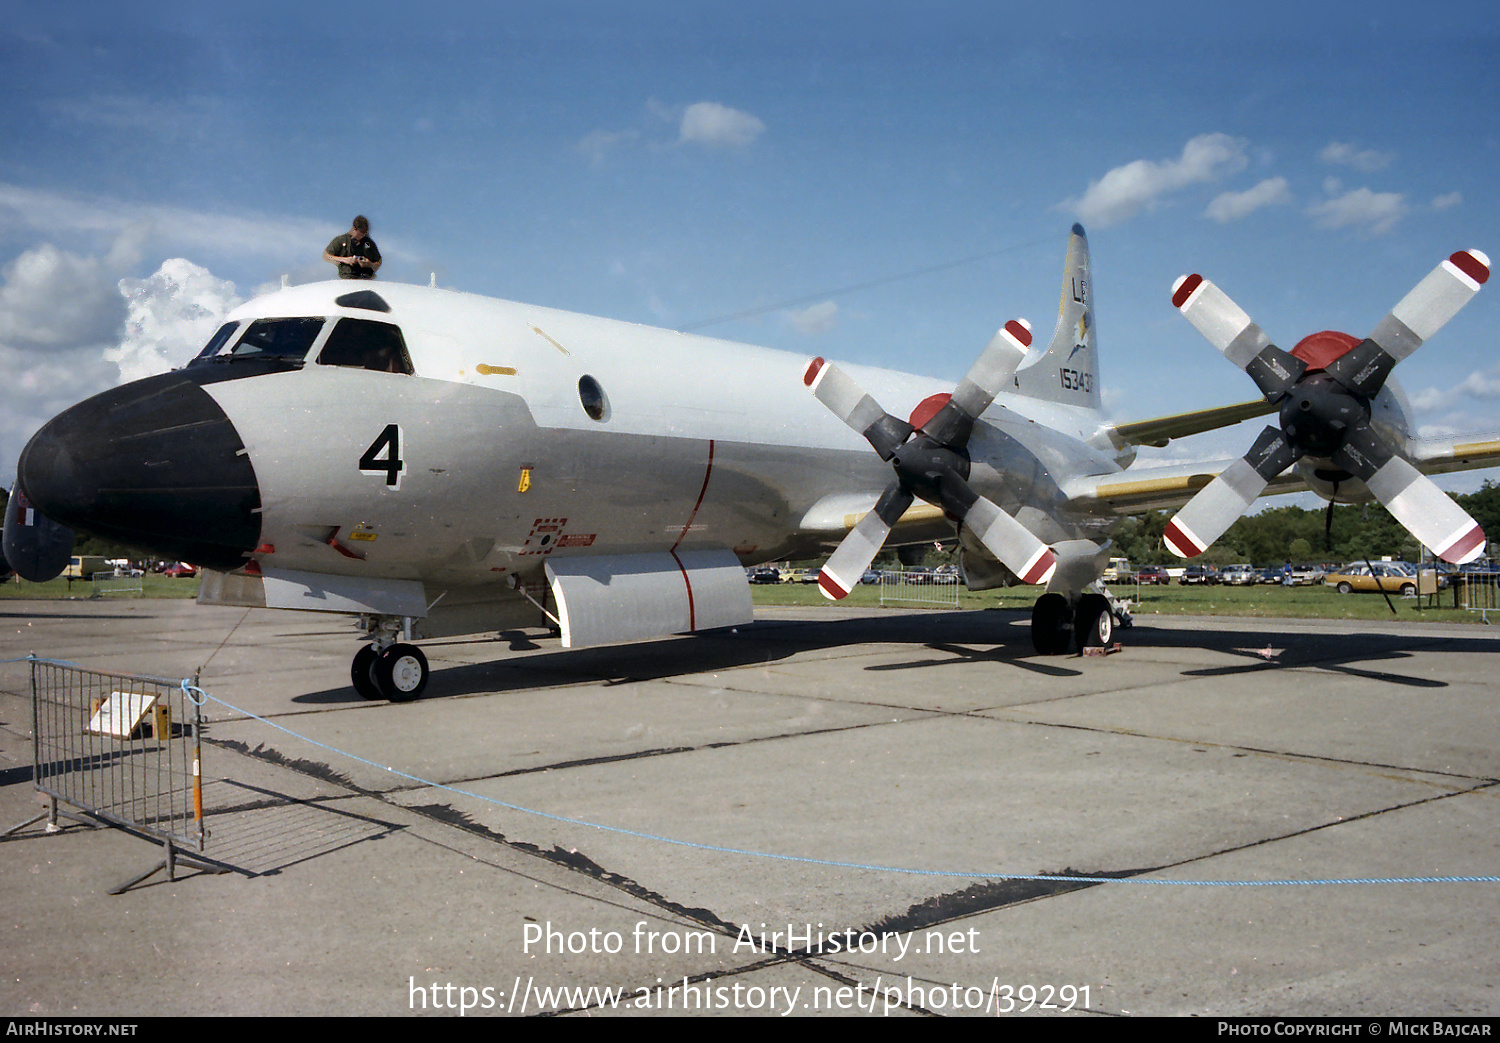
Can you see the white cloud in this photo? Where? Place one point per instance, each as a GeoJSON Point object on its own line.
{"type": "Point", "coordinates": [718, 126]}
{"type": "Point", "coordinates": [55, 299]}
{"type": "Point", "coordinates": [1483, 385]}
{"type": "Point", "coordinates": [814, 319]}
{"type": "Point", "coordinates": [1125, 191]}
{"type": "Point", "coordinates": [1364, 160]}
{"type": "Point", "coordinates": [1231, 206]}
{"type": "Point", "coordinates": [1447, 201]}
{"type": "Point", "coordinates": [171, 315]}
{"type": "Point", "coordinates": [600, 143]}
{"type": "Point", "coordinates": [178, 228]}
{"type": "Point", "coordinates": [1373, 212]}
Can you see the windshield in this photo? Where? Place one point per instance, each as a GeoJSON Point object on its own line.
{"type": "Point", "coordinates": [364, 344]}
{"type": "Point", "coordinates": [284, 339]}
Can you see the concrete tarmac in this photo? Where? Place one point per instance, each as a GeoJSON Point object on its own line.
{"type": "Point", "coordinates": [829, 811]}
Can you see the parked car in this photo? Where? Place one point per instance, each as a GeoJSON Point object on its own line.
{"type": "Point", "coordinates": [1198, 575]}
{"type": "Point", "coordinates": [1238, 575]}
{"type": "Point", "coordinates": [764, 574]}
{"type": "Point", "coordinates": [181, 570]}
{"type": "Point", "coordinates": [1153, 575]}
{"type": "Point", "coordinates": [1304, 575]}
{"type": "Point", "coordinates": [948, 574]}
{"type": "Point", "coordinates": [1394, 577]}
{"type": "Point", "coordinates": [871, 578]}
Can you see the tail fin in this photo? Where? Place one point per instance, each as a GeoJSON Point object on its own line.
{"type": "Point", "coordinates": [1067, 372]}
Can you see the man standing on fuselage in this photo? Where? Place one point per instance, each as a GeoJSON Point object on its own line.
{"type": "Point", "coordinates": [354, 252]}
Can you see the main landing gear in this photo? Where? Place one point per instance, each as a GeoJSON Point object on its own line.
{"type": "Point", "coordinates": [1057, 626]}
{"type": "Point", "coordinates": [387, 668]}
{"type": "Point", "coordinates": [399, 673]}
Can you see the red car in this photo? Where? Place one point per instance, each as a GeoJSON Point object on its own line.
{"type": "Point", "coordinates": [182, 568]}
{"type": "Point", "coordinates": [1153, 575]}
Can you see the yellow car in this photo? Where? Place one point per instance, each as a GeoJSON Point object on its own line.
{"type": "Point", "coordinates": [1394, 577]}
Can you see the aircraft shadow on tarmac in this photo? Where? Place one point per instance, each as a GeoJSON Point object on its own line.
{"type": "Point", "coordinates": [997, 636]}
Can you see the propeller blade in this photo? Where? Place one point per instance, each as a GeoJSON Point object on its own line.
{"type": "Point", "coordinates": [1217, 506]}
{"type": "Point", "coordinates": [1420, 314]}
{"type": "Point", "coordinates": [1413, 499]}
{"type": "Point", "coordinates": [1012, 543]}
{"type": "Point", "coordinates": [849, 402]}
{"type": "Point", "coordinates": [852, 557]}
{"type": "Point", "coordinates": [1228, 328]}
{"type": "Point", "coordinates": [985, 379]}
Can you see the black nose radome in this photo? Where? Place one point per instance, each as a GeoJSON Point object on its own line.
{"type": "Point", "coordinates": [154, 464]}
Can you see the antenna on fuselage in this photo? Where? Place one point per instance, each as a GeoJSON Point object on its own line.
{"type": "Point", "coordinates": [286, 280]}
{"type": "Point", "coordinates": [432, 281]}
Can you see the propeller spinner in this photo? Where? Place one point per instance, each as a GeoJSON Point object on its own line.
{"type": "Point", "coordinates": [1324, 387]}
{"type": "Point", "coordinates": [930, 460]}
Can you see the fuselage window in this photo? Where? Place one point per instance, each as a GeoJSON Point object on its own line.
{"type": "Point", "coordinates": [363, 344]}
{"type": "Point", "coordinates": [592, 397]}
{"type": "Point", "coordinates": [286, 339]}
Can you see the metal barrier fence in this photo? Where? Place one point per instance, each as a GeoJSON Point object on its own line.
{"type": "Point", "coordinates": [922, 588]}
{"type": "Point", "coordinates": [115, 583]}
{"type": "Point", "coordinates": [1478, 595]}
{"type": "Point", "coordinates": [121, 748]}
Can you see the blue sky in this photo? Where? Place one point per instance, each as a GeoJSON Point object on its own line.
{"type": "Point", "coordinates": [672, 163]}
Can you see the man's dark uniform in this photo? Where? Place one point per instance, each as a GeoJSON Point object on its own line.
{"type": "Point", "coordinates": [346, 246]}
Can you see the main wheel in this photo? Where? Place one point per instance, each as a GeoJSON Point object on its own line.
{"type": "Point", "coordinates": [401, 673]}
{"type": "Point", "coordinates": [1093, 622]}
{"type": "Point", "coordinates": [1051, 625]}
{"type": "Point", "coordinates": [361, 673]}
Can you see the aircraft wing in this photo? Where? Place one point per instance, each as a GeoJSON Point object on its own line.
{"type": "Point", "coordinates": [1171, 486]}
{"type": "Point", "coordinates": [1464, 453]}
{"type": "Point", "coordinates": [832, 518]}
{"type": "Point", "coordinates": [1158, 488]}
{"type": "Point", "coordinates": [1161, 430]}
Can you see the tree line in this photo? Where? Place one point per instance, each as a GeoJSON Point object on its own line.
{"type": "Point", "coordinates": [1280, 534]}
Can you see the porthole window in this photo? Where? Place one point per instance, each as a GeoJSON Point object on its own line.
{"type": "Point", "coordinates": [592, 397]}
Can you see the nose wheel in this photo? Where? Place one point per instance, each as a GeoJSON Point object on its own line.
{"type": "Point", "coordinates": [399, 673]}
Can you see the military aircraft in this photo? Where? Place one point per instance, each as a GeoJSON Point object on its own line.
{"type": "Point", "coordinates": [438, 463]}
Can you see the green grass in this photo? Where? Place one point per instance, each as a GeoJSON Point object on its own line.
{"type": "Point", "coordinates": [1264, 601]}
{"type": "Point", "coordinates": [152, 586]}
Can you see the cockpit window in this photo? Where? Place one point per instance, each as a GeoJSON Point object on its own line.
{"type": "Point", "coordinates": [219, 339]}
{"type": "Point", "coordinates": [285, 339]}
{"type": "Point", "coordinates": [364, 344]}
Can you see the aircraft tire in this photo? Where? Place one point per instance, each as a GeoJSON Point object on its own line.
{"type": "Point", "coordinates": [362, 673]}
{"type": "Point", "coordinates": [401, 673]}
{"type": "Point", "coordinates": [1051, 625]}
{"type": "Point", "coordinates": [1093, 622]}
